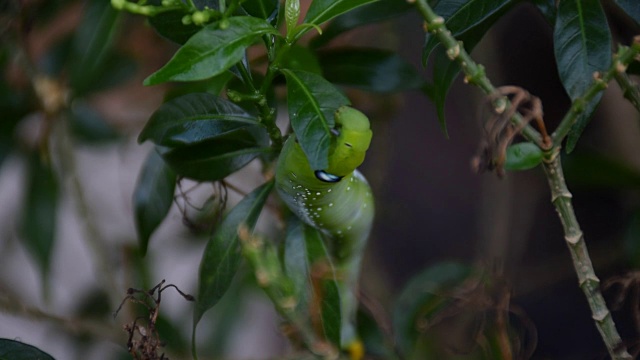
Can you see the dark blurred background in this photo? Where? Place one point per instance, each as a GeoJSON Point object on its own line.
{"type": "Point", "coordinates": [431, 206]}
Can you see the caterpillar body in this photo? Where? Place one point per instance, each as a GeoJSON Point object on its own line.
{"type": "Point", "coordinates": [337, 201]}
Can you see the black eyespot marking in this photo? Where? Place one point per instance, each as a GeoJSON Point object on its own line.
{"type": "Point", "coordinates": [348, 145]}
{"type": "Point", "coordinates": [326, 177]}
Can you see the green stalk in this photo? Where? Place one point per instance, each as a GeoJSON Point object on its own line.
{"type": "Point", "coordinates": [265, 264]}
{"type": "Point", "coordinates": [267, 115]}
{"type": "Point", "coordinates": [561, 197]}
{"type": "Point", "coordinates": [630, 89]}
{"type": "Point", "coordinates": [621, 60]}
{"type": "Point", "coordinates": [474, 73]}
{"type": "Point", "coordinates": [587, 279]}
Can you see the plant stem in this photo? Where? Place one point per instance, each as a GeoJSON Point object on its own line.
{"type": "Point", "coordinates": [561, 197]}
{"type": "Point", "coordinates": [587, 279]}
{"type": "Point", "coordinates": [263, 259]}
{"type": "Point", "coordinates": [267, 115]}
{"type": "Point", "coordinates": [621, 60]}
{"type": "Point", "coordinates": [630, 89]}
{"type": "Point", "coordinates": [474, 73]}
{"type": "Point", "coordinates": [98, 329]}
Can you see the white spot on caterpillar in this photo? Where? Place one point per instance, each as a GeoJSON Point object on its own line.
{"type": "Point", "coordinates": [318, 193]}
{"type": "Point", "coordinates": [348, 188]}
{"type": "Point", "coordinates": [329, 190]}
{"type": "Point", "coordinates": [330, 204]}
{"type": "Point", "coordinates": [319, 209]}
{"type": "Point", "coordinates": [349, 227]}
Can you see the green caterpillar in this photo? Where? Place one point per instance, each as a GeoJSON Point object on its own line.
{"type": "Point", "coordinates": [337, 201]}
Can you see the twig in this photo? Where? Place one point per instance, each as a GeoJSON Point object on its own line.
{"type": "Point", "coordinates": [561, 197]}
{"type": "Point", "coordinates": [95, 328]}
{"type": "Point", "coordinates": [630, 89]}
{"type": "Point", "coordinates": [587, 279]}
{"type": "Point", "coordinates": [263, 259]}
{"type": "Point", "coordinates": [474, 73]}
{"type": "Point", "coordinates": [621, 60]}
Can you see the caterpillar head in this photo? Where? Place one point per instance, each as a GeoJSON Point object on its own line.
{"type": "Point", "coordinates": [348, 149]}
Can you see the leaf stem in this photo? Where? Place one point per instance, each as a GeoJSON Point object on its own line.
{"type": "Point", "coordinates": [587, 279]}
{"type": "Point", "coordinates": [267, 114]}
{"type": "Point", "coordinates": [621, 60]}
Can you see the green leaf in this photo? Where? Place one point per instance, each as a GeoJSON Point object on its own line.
{"type": "Point", "coordinates": [296, 262]}
{"type": "Point", "coordinates": [422, 298]}
{"type": "Point", "coordinates": [169, 25]}
{"type": "Point", "coordinates": [40, 212]}
{"type": "Point", "coordinates": [547, 8]}
{"type": "Point", "coordinates": [367, 14]}
{"type": "Point", "coordinates": [373, 70]}
{"type": "Point", "coordinates": [212, 50]}
{"type": "Point", "coordinates": [591, 170]}
{"type": "Point", "coordinates": [631, 7]}
{"type": "Point", "coordinates": [221, 256]}
{"type": "Point", "coordinates": [213, 86]}
{"type": "Point", "coordinates": [523, 156]}
{"type": "Point", "coordinates": [92, 43]}
{"type": "Point", "coordinates": [446, 71]}
{"type": "Point", "coordinates": [324, 10]}
{"type": "Point", "coordinates": [304, 249]}
{"type": "Point", "coordinates": [195, 118]}
{"type": "Point", "coordinates": [375, 342]}
{"type": "Point", "coordinates": [301, 58]}
{"type": "Point", "coordinates": [152, 197]}
{"type": "Point", "coordinates": [312, 102]}
{"type": "Point", "coordinates": [465, 16]}
{"type": "Point", "coordinates": [318, 256]}
{"type": "Point", "coordinates": [582, 45]}
{"type": "Point", "coordinates": [15, 350]}
{"type": "Point", "coordinates": [88, 125]}
{"type": "Point", "coordinates": [264, 9]}
{"type": "Point", "coordinates": [217, 158]}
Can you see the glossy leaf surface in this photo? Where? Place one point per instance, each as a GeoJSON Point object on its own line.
{"type": "Point", "coordinates": [212, 50]}
{"type": "Point", "coordinates": [16, 350]}
{"type": "Point", "coordinates": [221, 256]}
{"type": "Point", "coordinates": [193, 118]}
{"type": "Point", "coordinates": [582, 46]}
{"type": "Point", "coordinates": [217, 158]}
{"type": "Point", "coordinates": [523, 156]}
{"type": "Point", "coordinates": [464, 16]}
{"type": "Point", "coordinates": [312, 100]}
{"type": "Point", "coordinates": [304, 251]}
{"type": "Point", "coordinates": [152, 197]}
{"type": "Point", "coordinates": [631, 7]}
